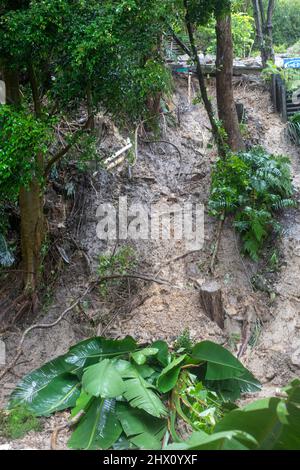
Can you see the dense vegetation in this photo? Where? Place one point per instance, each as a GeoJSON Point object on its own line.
{"type": "Point", "coordinates": [127, 396]}
{"type": "Point", "coordinates": [64, 62]}
{"type": "Point", "coordinates": [252, 186]}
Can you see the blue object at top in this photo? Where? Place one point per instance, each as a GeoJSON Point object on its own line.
{"type": "Point", "coordinates": [292, 63]}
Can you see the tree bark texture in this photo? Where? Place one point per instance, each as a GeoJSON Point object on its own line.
{"type": "Point", "coordinates": [225, 99]}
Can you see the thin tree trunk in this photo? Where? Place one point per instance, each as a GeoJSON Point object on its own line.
{"type": "Point", "coordinates": [90, 107]}
{"type": "Point", "coordinates": [269, 31]}
{"type": "Point", "coordinates": [203, 90]}
{"type": "Point", "coordinates": [225, 99]}
{"type": "Point", "coordinates": [32, 234]}
{"type": "Point", "coordinates": [264, 29]}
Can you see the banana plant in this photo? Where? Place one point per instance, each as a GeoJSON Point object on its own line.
{"type": "Point", "coordinates": [130, 396]}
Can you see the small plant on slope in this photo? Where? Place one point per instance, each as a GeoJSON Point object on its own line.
{"type": "Point", "coordinates": [252, 186]}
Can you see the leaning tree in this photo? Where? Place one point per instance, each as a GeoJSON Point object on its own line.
{"type": "Point", "coordinates": [197, 13]}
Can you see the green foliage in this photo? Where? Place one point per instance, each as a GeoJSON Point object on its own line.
{"type": "Point", "coordinates": [270, 70]}
{"type": "Point", "coordinates": [184, 342]}
{"type": "Point", "coordinates": [266, 424]}
{"type": "Point", "coordinates": [242, 35]}
{"type": "Point", "coordinates": [23, 137]}
{"type": "Point", "coordinates": [117, 263]}
{"type": "Point", "coordinates": [293, 129]}
{"type": "Point", "coordinates": [294, 50]}
{"type": "Point", "coordinates": [15, 423]}
{"type": "Point", "coordinates": [124, 393]}
{"type": "Point", "coordinates": [291, 77]}
{"type": "Point", "coordinates": [286, 22]}
{"type": "Point", "coordinates": [252, 186]}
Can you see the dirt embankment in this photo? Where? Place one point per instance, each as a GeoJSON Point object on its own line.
{"type": "Point", "coordinates": [167, 174]}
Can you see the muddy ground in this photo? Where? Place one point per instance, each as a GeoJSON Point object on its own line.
{"type": "Point", "coordinates": [264, 317]}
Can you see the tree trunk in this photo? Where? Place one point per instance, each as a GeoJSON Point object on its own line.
{"type": "Point", "coordinates": [264, 29]}
{"type": "Point", "coordinates": [204, 95]}
{"type": "Point", "coordinates": [30, 199]}
{"type": "Point", "coordinates": [224, 64]}
{"type": "Point", "coordinates": [32, 234]}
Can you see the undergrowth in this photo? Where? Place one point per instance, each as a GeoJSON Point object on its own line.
{"type": "Point", "coordinates": [117, 263]}
{"type": "Point", "coordinates": [252, 186]}
{"type": "Point", "coordinates": [293, 129]}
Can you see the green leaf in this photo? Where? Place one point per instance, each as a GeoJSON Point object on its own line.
{"type": "Point", "coordinates": [169, 375]}
{"type": "Point", "coordinates": [82, 403]}
{"type": "Point", "coordinates": [140, 357]}
{"type": "Point", "coordinates": [293, 391]}
{"type": "Point", "coordinates": [231, 389]}
{"type": "Point", "coordinates": [228, 440]}
{"type": "Point", "coordinates": [163, 355]}
{"type": "Point", "coordinates": [88, 351]}
{"type": "Point", "coordinates": [143, 430]}
{"type": "Point", "coordinates": [138, 391]}
{"type": "Point", "coordinates": [99, 428]}
{"type": "Point", "coordinates": [51, 388]}
{"type": "Point", "coordinates": [123, 444]}
{"type": "Point", "coordinates": [103, 380]}
{"type": "Point", "coordinates": [274, 426]}
{"type": "Point", "coordinates": [221, 364]}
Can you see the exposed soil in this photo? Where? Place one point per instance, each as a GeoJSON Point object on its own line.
{"type": "Point", "coordinates": [148, 310]}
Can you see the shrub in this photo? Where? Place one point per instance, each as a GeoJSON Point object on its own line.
{"type": "Point", "coordinates": [119, 262]}
{"type": "Point", "coordinates": [293, 129]}
{"type": "Point", "coordinates": [124, 395]}
{"type": "Point", "coordinates": [252, 186]}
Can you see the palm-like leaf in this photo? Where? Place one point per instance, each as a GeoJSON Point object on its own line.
{"type": "Point", "coordinates": [51, 388]}
{"type": "Point", "coordinates": [138, 391]}
{"type": "Point", "coordinates": [99, 428]}
{"type": "Point", "coordinates": [103, 380]}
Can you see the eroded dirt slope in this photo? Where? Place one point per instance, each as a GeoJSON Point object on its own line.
{"type": "Point", "coordinates": [150, 311]}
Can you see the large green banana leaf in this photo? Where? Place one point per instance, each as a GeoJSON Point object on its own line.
{"type": "Point", "coordinates": [231, 389]}
{"type": "Point", "coordinates": [222, 372]}
{"type": "Point", "coordinates": [89, 351]}
{"type": "Point", "coordinates": [274, 424]}
{"type": "Point", "coordinates": [99, 428]}
{"type": "Point", "coordinates": [169, 375]}
{"type": "Point", "coordinates": [138, 391]}
{"type": "Point", "coordinates": [103, 380]}
{"type": "Point", "coordinates": [51, 388]}
{"type": "Point", "coordinates": [143, 430]}
{"type": "Point", "coordinates": [221, 364]}
{"type": "Point", "coordinates": [228, 440]}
